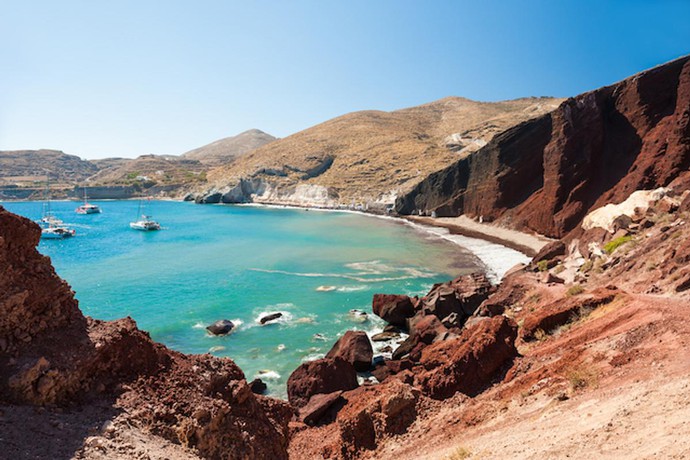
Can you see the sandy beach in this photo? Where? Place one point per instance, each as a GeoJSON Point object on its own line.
{"type": "Point", "coordinates": [528, 244]}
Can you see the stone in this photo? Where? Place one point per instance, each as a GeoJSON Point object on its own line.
{"type": "Point", "coordinates": [318, 406]}
{"type": "Point", "coordinates": [320, 376]}
{"type": "Point", "coordinates": [355, 348]}
{"type": "Point", "coordinates": [220, 327]}
{"type": "Point", "coordinates": [462, 295]}
{"type": "Point", "coordinates": [258, 386]}
{"type": "Point", "coordinates": [394, 309]}
{"type": "Point", "coordinates": [551, 250]}
{"type": "Point", "coordinates": [384, 336]}
{"type": "Point", "coordinates": [270, 317]}
{"type": "Point", "coordinates": [470, 362]}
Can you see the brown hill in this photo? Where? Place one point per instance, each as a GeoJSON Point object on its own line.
{"type": "Point", "coordinates": [224, 151]}
{"type": "Point", "coordinates": [161, 169]}
{"type": "Point", "coordinates": [546, 174]}
{"type": "Point", "coordinates": [368, 156]}
{"type": "Point", "coordinates": [22, 167]}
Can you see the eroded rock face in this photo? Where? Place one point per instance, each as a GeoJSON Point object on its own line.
{"type": "Point", "coordinates": [355, 348]}
{"type": "Point", "coordinates": [320, 376]}
{"type": "Point", "coordinates": [547, 174]}
{"type": "Point", "coordinates": [375, 413]}
{"type": "Point", "coordinates": [467, 364]}
{"type": "Point", "coordinates": [50, 354]}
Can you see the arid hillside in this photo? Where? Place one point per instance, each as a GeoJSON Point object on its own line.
{"type": "Point", "coordinates": [161, 169]}
{"type": "Point", "coordinates": [25, 167]}
{"type": "Point", "coordinates": [369, 156]}
{"type": "Point", "coordinates": [227, 150]}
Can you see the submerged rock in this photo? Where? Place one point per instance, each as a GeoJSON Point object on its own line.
{"type": "Point", "coordinates": [221, 327]}
{"type": "Point", "coordinates": [258, 386]}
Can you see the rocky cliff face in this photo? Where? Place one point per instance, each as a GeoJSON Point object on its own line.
{"type": "Point", "coordinates": [51, 355]}
{"type": "Point", "coordinates": [546, 174]}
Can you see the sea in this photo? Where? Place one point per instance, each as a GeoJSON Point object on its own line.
{"type": "Point", "coordinates": [213, 262]}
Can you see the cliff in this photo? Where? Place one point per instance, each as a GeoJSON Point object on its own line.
{"type": "Point", "coordinates": [52, 356]}
{"type": "Point", "coordinates": [546, 174]}
{"type": "Point", "coordinates": [366, 157]}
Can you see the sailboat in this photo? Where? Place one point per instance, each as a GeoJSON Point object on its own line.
{"type": "Point", "coordinates": [146, 223]}
{"type": "Point", "coordinates": [53, 228]}
{"type": "Point", "coordinates": [87, 208]}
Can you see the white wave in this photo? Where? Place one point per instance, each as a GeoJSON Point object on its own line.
{"type": "Point", "coordinates": [326, 288]}
{"type": "Point", "coordinates": [362, 287]}
{"type": "Point", "coordinates": [410, 273]}
{"type": "Point", "coordinates": [267, 375]}
{"type": "Point", "coordinates": [280, 347]}
{"type": "Point", "coordinates": [312, 357]}
{"type": "Point", "coordinates": [216, 349]}
{"type": "Point", "coordinates": [199, 325]}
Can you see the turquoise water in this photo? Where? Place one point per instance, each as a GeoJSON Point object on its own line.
{"type": "Point", "coordinates": [237, 262]}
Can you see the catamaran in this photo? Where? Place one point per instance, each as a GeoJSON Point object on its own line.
{"type": "Point", "coordinates": [87, 208]}
{"type": "Point", "coordinates": [146, 223]}
{"type": "Point", "coordinates": [53, 228]}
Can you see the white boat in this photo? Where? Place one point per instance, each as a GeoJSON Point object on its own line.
{"type": "Point", "coordinates": [145, 224]}
{"type": "Point", "coordinates": [53, 228]}
{"type": "Point", "coordinates": [87, 208]}
{"type": "Point", "coordinates": [57, 232]}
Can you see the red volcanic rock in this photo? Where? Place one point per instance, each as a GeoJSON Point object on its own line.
{"type": "Point", "coordinates": [511, 291]}
{"type": "Point", "coordinates": [355, 348]}
{"type": "Point", "coordinates": [470, 362]}
{"type": "Point", "coordinates": [374, 413]}
{"type": "Point", "coordinates": [561, 312]}
{"type": "Point", "coordinates": [462, 296]}
{"type": "Point", "coordinates": [426, 329]}
{"type": "Point", "coordinates": [546, 174]}
{"type": "Point", "coordinates": [394, 309]}
{"type": "Point", "coordinates": [320, 376]}
{"type": "Point", "coordinates": [551, 250]}
{"type": "Point", "coordinates": [318, 406]}
{"type": "Point", "coordinates": [50, 354]}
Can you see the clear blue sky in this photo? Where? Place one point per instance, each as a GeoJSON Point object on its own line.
{"type": "Point", "coordinates": [125, 78]}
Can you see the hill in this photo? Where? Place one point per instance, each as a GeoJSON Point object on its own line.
{"type": "Point", "coordinates": [227, 150]}
{"type": "Point", "coordinates": [367, 157]}
{"type": "Point", "coordinates": [161, 169]}
{"type": "Point", "coordinates": [25, 167]}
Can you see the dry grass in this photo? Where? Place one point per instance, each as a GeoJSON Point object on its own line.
{"type": "Point", "coordinates": [460, 453]}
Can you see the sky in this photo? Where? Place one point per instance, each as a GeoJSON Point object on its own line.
{"type": "Point", "coordinates": [127, 78]}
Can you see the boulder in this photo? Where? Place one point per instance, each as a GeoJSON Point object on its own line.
{"type": "Point", "coordinates": [374, 413]}
{"type": "Point", "coordinates": [220, 327]}
{"type": "Point", "coordinates": [270, 317]}
{"type": "Point", "coordinates": [318, 406]}
{"type": "Point", "coordinates": [258, 386]}
{"type": "Point", "coordinates": [549, 278]}
{"type": "Point", "coordinates": [355, 348]}
{"type": "Point", "coordinates": [467, 364]}
{"type": "Point", "coordinates": [384, 336]}
{"type": "Point", "coordinates": [394, 309]}
{"type": "Point", "coordinates": [426, 328]}
{"type": "Point", "coordinates": [324, 375]}
{"type": "Point", "coordinates": [551, 250]}
{"type": "Point", "coordinates": [462, 295]}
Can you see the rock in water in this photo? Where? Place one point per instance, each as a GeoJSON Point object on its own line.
{"type": "Point", "coordinates": [355, 348]}
{"type": "Point", "coordinates": [258, 386]}
{"type": "Point", "coordinates": [270, 317]}
{"type": "Point", "coordinates": [395, 309]}
{"type": "Point", "coordinates": [220, 327]}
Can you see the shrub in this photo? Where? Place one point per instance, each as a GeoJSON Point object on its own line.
{"type": "Point", "coordinates": [575, 289]}
{"type": "Point", "coordinates": [582, 377]}
{"type": "Point", "coordinates": [460, 453]}
{"type": "Point", "coordinates": [615, 244]}
{"type": "Point", "coordinates": [543, 265]}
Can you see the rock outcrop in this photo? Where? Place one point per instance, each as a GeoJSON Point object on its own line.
{"type": "Point", "coordinates": [546, 174]}
{"type": "Point", "coordinates": [50, 354]}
